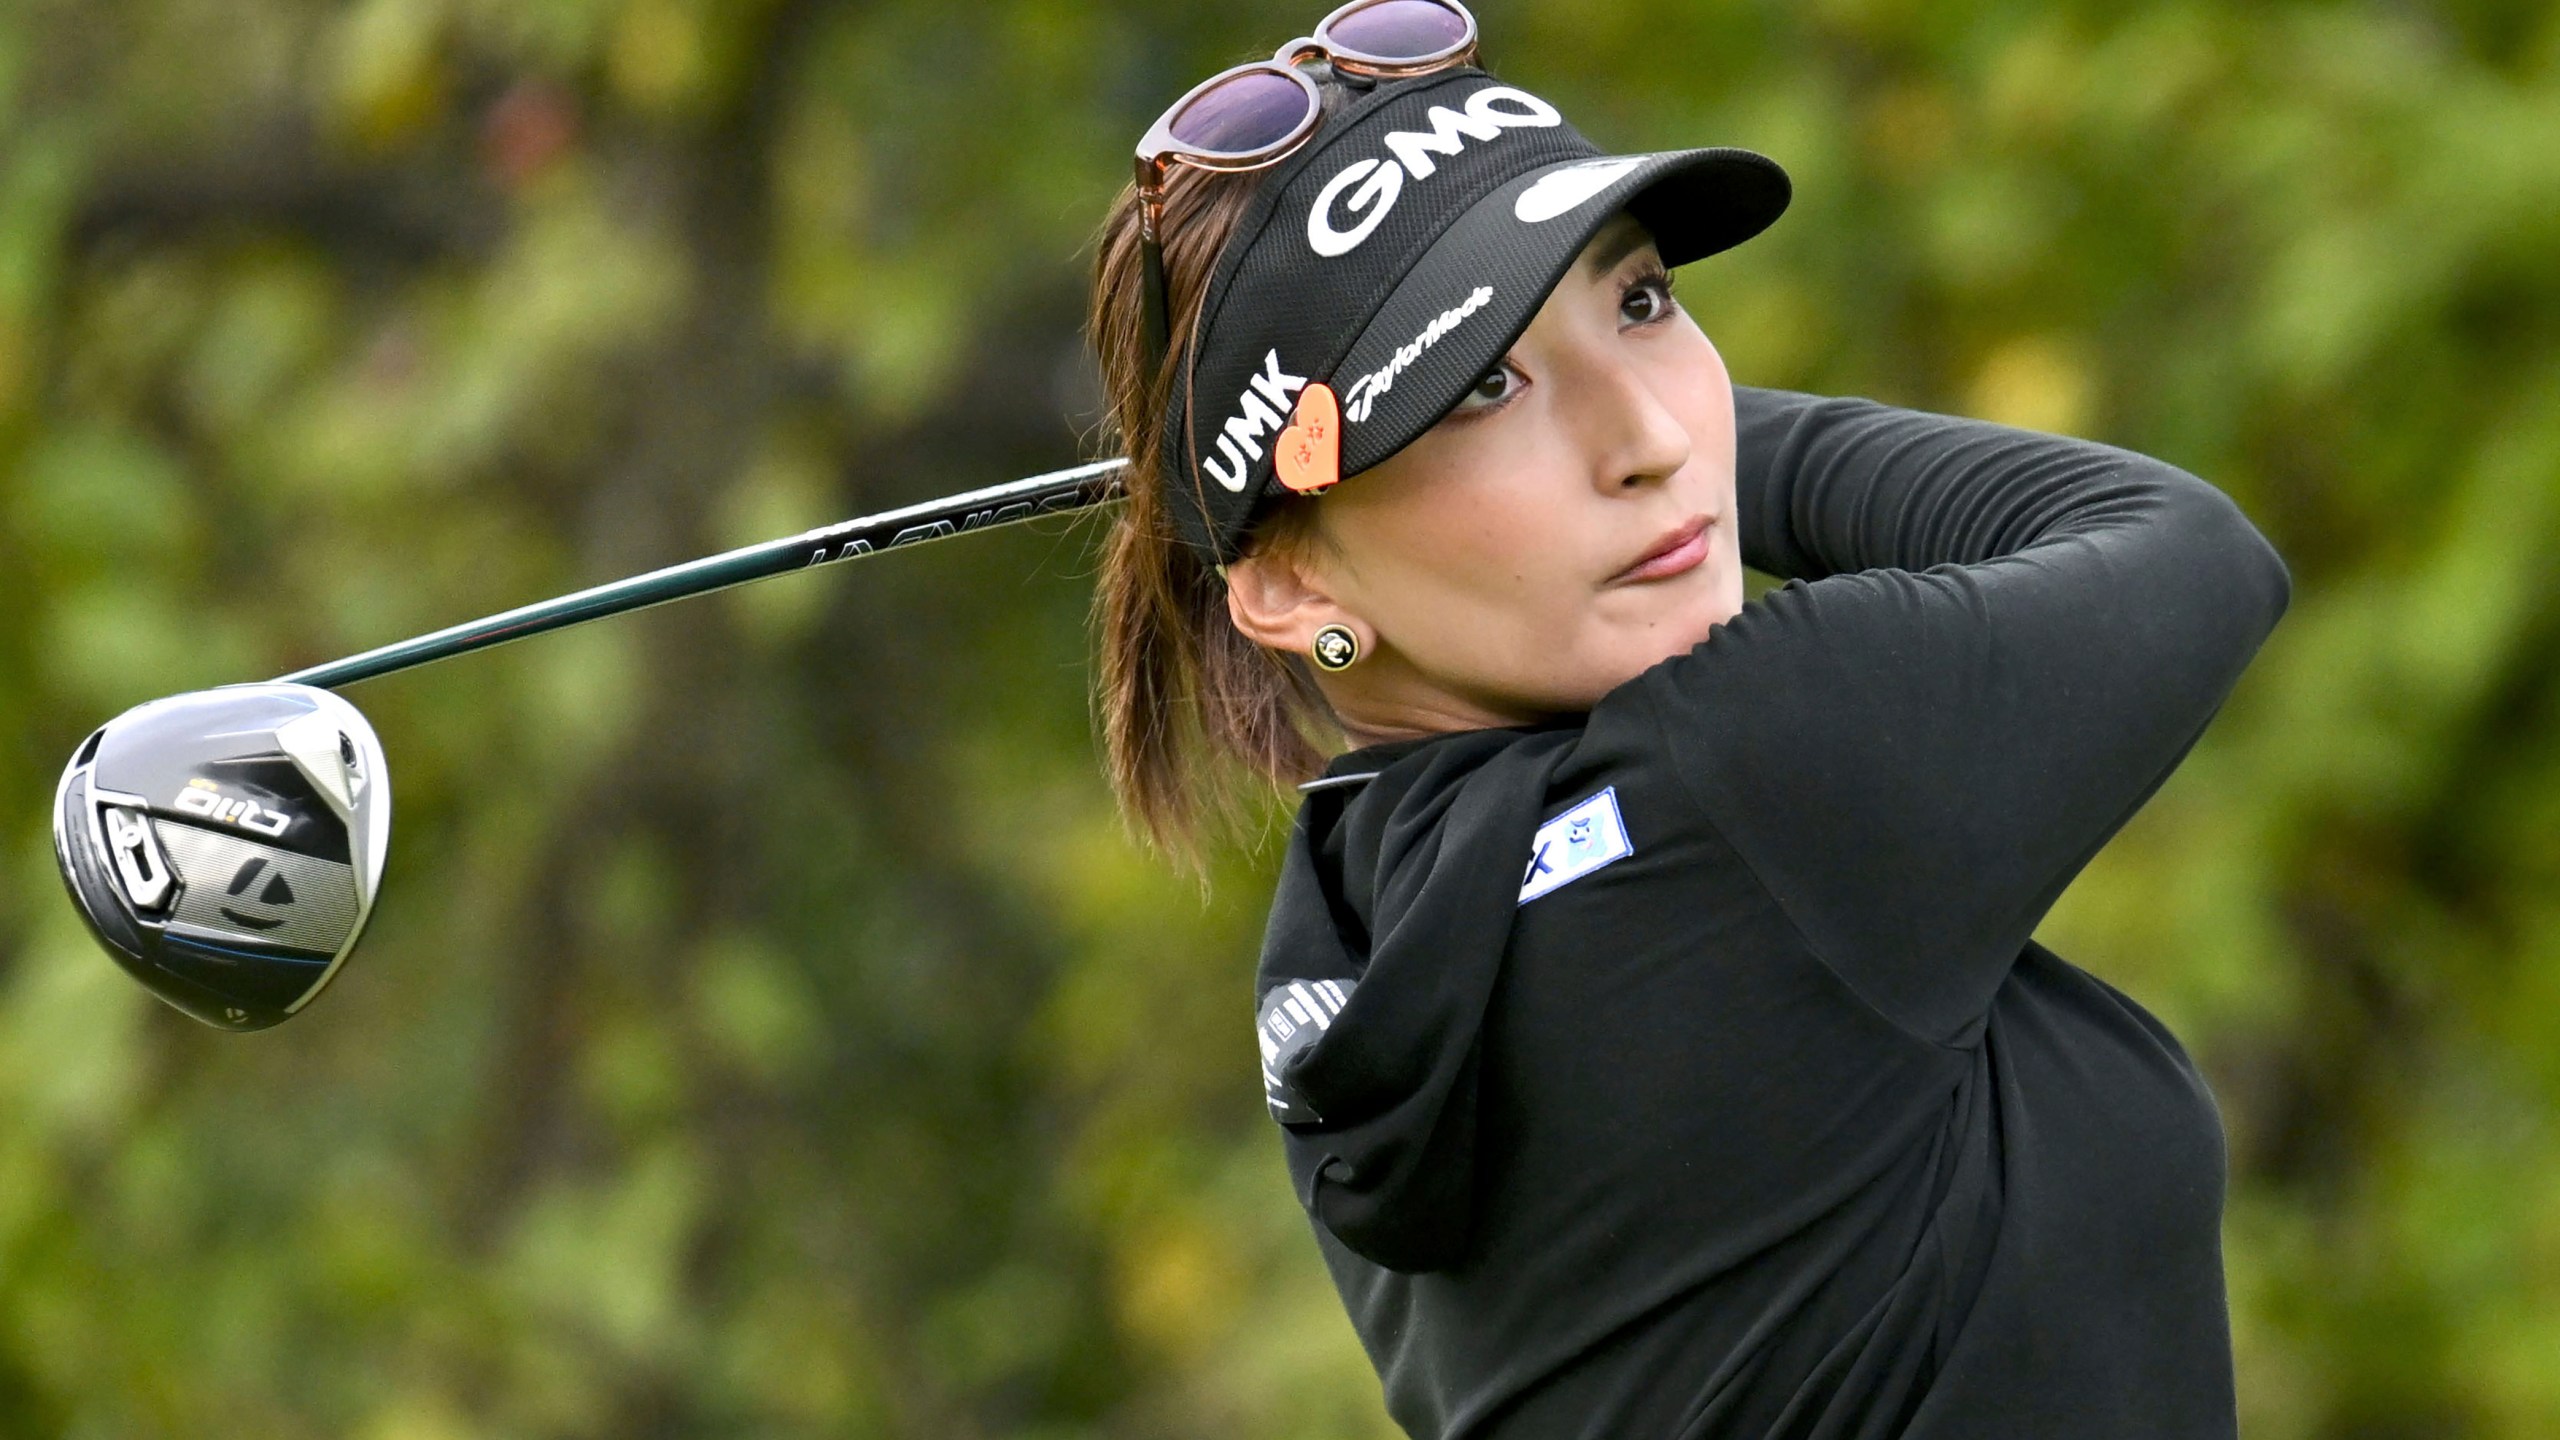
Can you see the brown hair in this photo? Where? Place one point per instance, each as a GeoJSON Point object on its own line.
{"type": "Point", "coordinates": [1194, 716]}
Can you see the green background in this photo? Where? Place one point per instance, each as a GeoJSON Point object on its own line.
{"type": "Point", "coordinates": [768, 1031]}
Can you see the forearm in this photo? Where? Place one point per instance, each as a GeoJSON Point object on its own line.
{"type": "Point", "coordinates": [1829, 485]}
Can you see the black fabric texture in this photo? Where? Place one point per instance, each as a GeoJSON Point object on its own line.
{"type": "Point", "coordinates": [1784, 1124]}
{"type": "Point", "coordinates": [1434, 847]}
{"type": "Point", "coordinates": [1277, 309]}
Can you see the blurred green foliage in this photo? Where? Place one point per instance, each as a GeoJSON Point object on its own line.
{"type": "Point", "coordinates": [768, 1031]}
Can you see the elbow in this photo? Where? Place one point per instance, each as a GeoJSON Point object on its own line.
{"type": "Point", "coordinates": [2279, 584]}
{"type": "Point", "coordinates": [2270, 578]}
{"type": "Point", "coordinates": [2223, 562]}
{"type": "Point", "coordinates": [2260, 582]}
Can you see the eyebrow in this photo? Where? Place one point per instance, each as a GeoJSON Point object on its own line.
{"type": "Point", "coordinates": [1631, 236]}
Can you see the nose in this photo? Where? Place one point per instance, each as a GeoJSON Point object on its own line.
{"type": "Point", "coordinates": [1634, 440]}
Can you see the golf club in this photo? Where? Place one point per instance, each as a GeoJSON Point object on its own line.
{"type": "Point", "coordinates": [226, 845]}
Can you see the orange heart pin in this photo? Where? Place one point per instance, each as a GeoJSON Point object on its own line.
{"type": "Point", "coordinates": [1309, 452]}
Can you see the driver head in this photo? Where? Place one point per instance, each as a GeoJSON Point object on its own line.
{"type": "Point", "coordinates": [225, 846]}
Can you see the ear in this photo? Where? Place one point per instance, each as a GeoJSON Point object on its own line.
{"type": "Point", "coordinates": [1277, 603]}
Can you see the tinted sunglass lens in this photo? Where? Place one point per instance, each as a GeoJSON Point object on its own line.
{"type": "Point", "coordinates": [1399, 29]}
{"type": "Point", "coordinates": [1242, 113]}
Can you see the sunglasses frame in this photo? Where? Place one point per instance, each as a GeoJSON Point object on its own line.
{"type": "Point", "coordinates": [1158, 150]}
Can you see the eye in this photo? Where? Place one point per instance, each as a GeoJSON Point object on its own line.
{"type": "Point", "coordinates": [1646, 300]}
{"type": "Point", "coordinates": [1493, 387]}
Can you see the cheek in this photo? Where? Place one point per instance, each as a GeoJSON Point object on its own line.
{"type": "Point", "coordinates": [1489, 542]}
{"type": "Point", "coordinates": [1473, 541]}
{"type": "Point", "coordinates": [1696, 384]}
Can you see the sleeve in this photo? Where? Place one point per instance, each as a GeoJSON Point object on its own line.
{"type": "Point", "coordinates": [1992, 645]}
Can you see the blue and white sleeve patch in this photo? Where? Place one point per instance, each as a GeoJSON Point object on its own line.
{"type": "Point", "coordinates": [1575, 843]}
{"type": "Point", "coordinates": [1293, 1016]}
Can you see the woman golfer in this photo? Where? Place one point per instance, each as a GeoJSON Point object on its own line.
{"type": "Point", "coordinates": [1648, 1009]}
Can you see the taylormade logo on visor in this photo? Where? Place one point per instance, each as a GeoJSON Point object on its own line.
{"type": "Point", "coordinates": [1364, 392]}
{"type": "Point", "coordinates": [1373, 185]}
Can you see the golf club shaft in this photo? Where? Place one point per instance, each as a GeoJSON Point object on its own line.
{"type": "Point", "coordinates": [1076, 488]}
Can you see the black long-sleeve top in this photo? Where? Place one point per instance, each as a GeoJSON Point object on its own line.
{"type": "Point", "coordinates": [1754, 1109]}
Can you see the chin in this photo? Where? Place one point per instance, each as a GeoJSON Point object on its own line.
{"type": "Point", "coordinates": [1672, 643]}
{"type": "Point", "coordinates": [1693, 615]}
{"type": "Point", "coordinates": [1642, 651]}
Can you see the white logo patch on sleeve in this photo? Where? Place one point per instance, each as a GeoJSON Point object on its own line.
{"type": "Point", "coordinates": [1575, 843]}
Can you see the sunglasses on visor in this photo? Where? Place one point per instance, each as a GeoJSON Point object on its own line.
{"type": "Point", "coordinates": [1258, 114]}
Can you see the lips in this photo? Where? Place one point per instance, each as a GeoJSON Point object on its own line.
{"type": "Point", "coordinates": [1674, 553]}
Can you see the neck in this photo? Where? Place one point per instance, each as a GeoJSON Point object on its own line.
{"type": "Point", "coordinates": [1375, 710]}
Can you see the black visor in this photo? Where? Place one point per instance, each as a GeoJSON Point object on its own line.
{"type": "Point", "coordinates": [1396, 258]}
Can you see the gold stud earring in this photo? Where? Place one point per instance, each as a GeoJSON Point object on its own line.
{"type": "Point", "coordinates": [1335, 647]}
